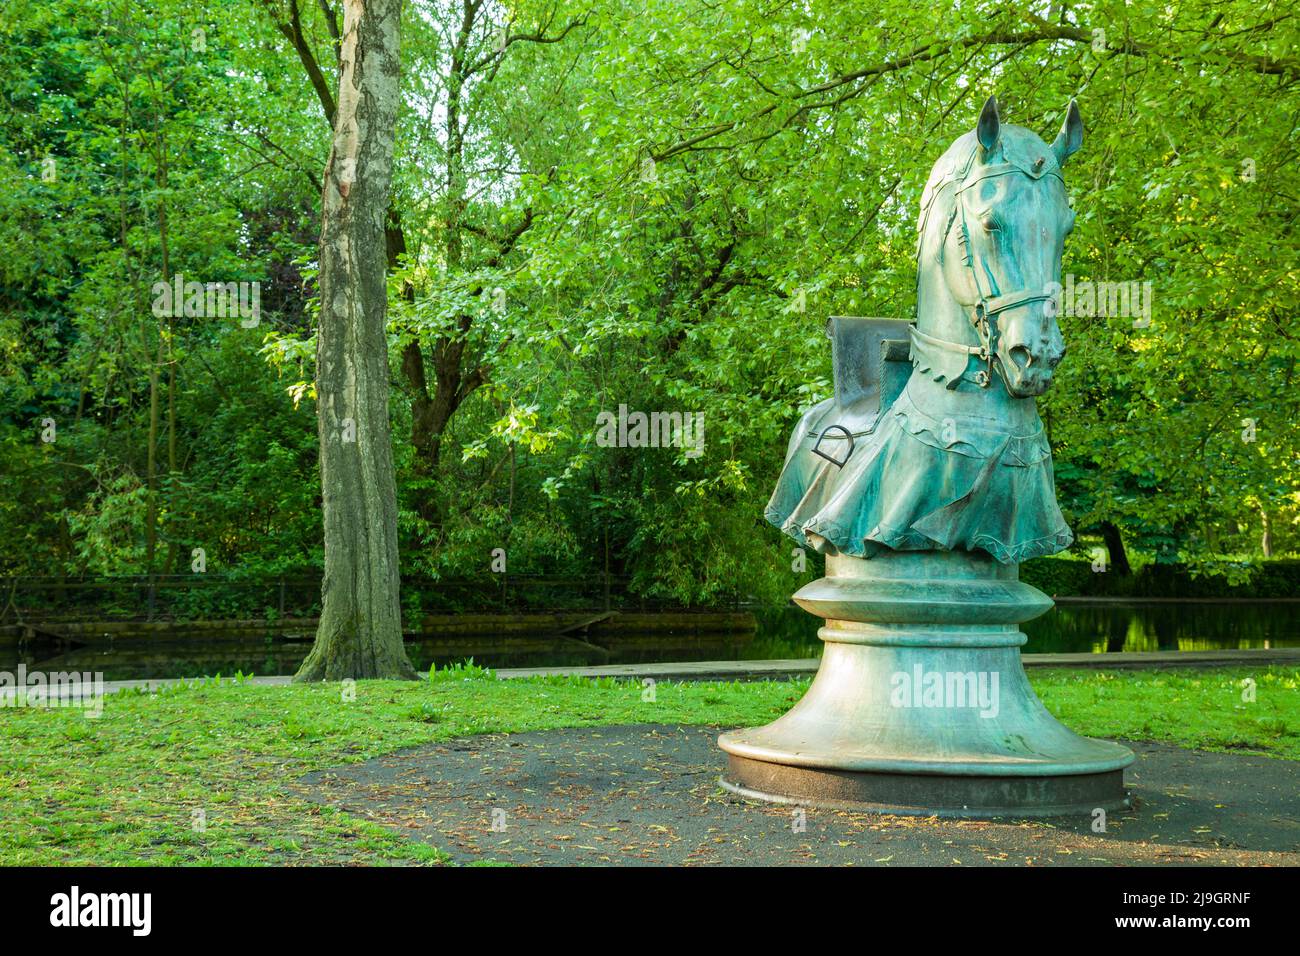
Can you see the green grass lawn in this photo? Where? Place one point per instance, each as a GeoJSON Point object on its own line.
{"type": "Point", "coordinates": [126, 787]}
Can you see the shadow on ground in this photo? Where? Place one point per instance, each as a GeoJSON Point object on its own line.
{"type": "Point", "coordinates": [648, 794]}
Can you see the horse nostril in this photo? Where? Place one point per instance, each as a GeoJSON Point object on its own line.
{"type": "Point", "coordinates": [1022, 356]}
{"type": "Point", "coordinates": [1055, 359]}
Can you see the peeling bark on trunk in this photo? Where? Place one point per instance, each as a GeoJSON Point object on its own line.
{"type": "Point", "coordinates": [360, 632]}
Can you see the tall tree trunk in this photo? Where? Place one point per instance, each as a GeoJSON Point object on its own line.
{"type": "Point", "coordinates": [1115, 545]}
{"type": "Point", "coordinates": [360, 633]}
{"type": "Point", "coordinates": [1266, 535]}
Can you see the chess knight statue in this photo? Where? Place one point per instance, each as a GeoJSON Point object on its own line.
{"type": "Point", "coordinates": [925, 479]}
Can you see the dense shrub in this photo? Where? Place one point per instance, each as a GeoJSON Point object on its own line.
{"type": "Point", "coordinates": [1074, 577]}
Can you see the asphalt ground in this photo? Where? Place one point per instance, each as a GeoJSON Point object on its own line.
{"type": "Point", "coordinates": [648, 795]}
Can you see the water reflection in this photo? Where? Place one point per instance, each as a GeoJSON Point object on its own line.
{"type": "Point", "coordinates": [782, 633]}
{"type": "Point", "coordinates": [1164, 626]}
{"type": "Point", "coordinates": [1098, 627]}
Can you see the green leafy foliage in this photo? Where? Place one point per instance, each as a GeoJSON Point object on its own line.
{"type": "Point", "coordinates": [654, 205]}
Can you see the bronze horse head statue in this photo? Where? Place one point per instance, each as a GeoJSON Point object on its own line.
{"type": "Point", "coordinates": [951, 454]}
{"type": "Point", "coordinates": [923, 503]}
{"type": "Point", "coordinates": [994, 217]}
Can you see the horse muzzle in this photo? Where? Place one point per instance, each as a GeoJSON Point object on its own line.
{"type": "Point", "coordinates": [1027, 370]}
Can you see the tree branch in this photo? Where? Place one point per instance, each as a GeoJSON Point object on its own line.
{"type": "Point", "coordinates": [293, 32]}
{"type": "Point", "coordinates": [332, 24]}
{"type": "Point", "coordinates": [538, 36]}
{"type": "Point", "coordinates": [1044, 32]}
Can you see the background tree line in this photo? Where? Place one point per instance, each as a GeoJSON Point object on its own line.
{"type": "Point", "coordinates": [601, 203]}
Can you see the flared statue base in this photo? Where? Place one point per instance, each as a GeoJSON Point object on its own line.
{"type": "Point", "coordinates": [921, 704]}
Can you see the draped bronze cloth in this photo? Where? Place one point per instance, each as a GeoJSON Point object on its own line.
{"type": "Point", "coordinates": [960, 482]}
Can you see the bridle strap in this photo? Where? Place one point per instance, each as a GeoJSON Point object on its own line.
{"type": "Point", "coordinates": [945, 344]}
{"type": "Point", "coordinates": [923, 344]}
{"type": "Point", "coordinates": [991, 300]}
{"type": "Point", "coordinates": [1001, 303]}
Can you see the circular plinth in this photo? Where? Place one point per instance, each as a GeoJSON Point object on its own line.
{"type": "Point", "coordinates": [943, 795]}
{"type": "Point", "coordinates": [921, 704]}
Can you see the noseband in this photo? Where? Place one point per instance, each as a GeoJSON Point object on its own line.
{"type": "Point", "coordinates": [991, 300]}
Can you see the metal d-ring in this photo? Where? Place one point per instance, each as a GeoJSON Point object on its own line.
{"type": "Point", "coordinates": [821, 454]}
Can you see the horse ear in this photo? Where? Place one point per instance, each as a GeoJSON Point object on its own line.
{"type": "Point", "coordinates": [1070, 138]}
{"type": "Point", "coordinates": [989, 125]}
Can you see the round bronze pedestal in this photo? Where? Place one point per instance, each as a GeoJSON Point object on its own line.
{"type": "Point", "coordinates": [926, 794]}
{"type": "Point", "coordinates": [921, 704]}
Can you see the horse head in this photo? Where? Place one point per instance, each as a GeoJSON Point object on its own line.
{"type": "Point", "coordinates": [994, 218]}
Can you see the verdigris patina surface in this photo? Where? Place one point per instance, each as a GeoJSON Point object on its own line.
{"type": "Point", "coordinates": [960, 459]}
{"type": "Point", "coordinates": [925, 480]}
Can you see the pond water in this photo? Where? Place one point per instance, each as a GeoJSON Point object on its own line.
{"type": "Point", "coordinates": [782, 633]}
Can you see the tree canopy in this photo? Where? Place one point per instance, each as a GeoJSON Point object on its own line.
{"type": "Point", "coordinates": [653, 204]}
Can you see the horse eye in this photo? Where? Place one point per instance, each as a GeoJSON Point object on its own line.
{"type": "Point", "coordinates": [989, 223]}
